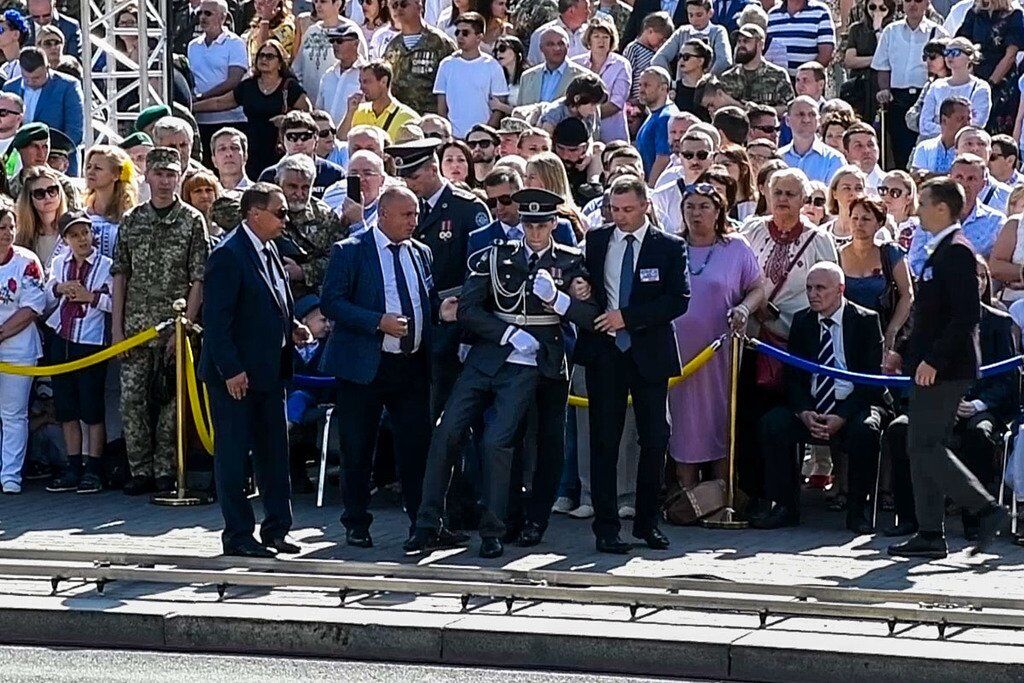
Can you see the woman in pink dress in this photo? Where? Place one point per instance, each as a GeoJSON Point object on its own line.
{"type": "Point", "coordinates": [726, 286]}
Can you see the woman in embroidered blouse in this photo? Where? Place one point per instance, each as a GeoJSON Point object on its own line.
{"type": "Point", "coordinates": [41, 202]}
{"type": "Point", "coordinates": [273, 19]}
{"type": "Point", "coordinates": [22, 301]}
{"type": "Point", "coordinates": [111, 189]}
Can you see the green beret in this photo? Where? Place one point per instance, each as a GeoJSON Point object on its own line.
{"type": "Point", "coordinates": [151, 115]}
{"type": "Point", "coordinates": [30, 132]}
{"type": "Point", "coordinates": [136, 139]}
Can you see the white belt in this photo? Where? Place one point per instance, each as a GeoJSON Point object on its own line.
{"type": "Point", "coordinates": [521, 319]}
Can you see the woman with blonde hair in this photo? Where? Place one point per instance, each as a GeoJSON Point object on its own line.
{"type": "Point", "coordinates": [40, 203]}
{"type": "Point", "coordinates": [546, 171]}
{"type": "Point", "coordinates": [961, 55]}
{"type": "Point", "coordinates": [899, 192]}
{"type": "Point", "coordinates": [846, 185]}
{"type": "Point", "coordinates": [111, 189]}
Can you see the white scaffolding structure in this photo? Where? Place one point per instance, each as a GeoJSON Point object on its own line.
{"type": "Point", "coordinates": [150, 76]}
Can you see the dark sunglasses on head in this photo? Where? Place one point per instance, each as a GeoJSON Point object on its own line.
{"type": "Point", "coordinates": [704, 190]}
{"type": "Point", "coordinates": [953, 52]}
{"type": "Point", "coordinates": [302, 136]}
{"type": "Point", "coordinates": [818, 202]}
{"type": "Point", "coordinates": [504, 200]}
{"type": "Point", "coordinates": [702, 155]}
{"type": "Point", "coordinates": [44, 192]}
{"type": "Point", "coordinates": [483, 142]}
{"type": "Point", "coordinates": [894, 192]}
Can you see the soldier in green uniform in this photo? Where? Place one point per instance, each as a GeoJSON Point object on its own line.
{"type": "Point", "coordinates": [160, 256]}
{"type": "Point", "coordinates": [312, 226]}
{"type": "Point", "coordinates": [415, 67]}
{"type": "Point", "coordinates": [753, 78]}
{"type": "Point", "coordinates": [32, 144]}
{"type": "Point", "coordinates": [529, 15]}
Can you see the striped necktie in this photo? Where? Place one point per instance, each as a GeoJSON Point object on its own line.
{"type": "Point", "coordinates": [825, 387]}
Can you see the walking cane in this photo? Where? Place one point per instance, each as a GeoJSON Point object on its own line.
{"type": "Point", "coordinates": [181, 496]}
{"type": "Point", "coordinates": [883, 140]}
{"type": "Point", "coordinates": [726, 518]}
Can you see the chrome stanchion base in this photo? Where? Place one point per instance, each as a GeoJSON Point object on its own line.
{"type": "Point", "coordinates": [181, 498]}
{"type": "Point", "coordinates": [724, 519]}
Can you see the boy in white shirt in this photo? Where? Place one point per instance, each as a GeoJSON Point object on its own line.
{"type": "Point", "coordinates": [471, 78]}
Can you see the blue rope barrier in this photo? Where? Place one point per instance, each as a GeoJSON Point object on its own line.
{"type": "Point", "coordinates": [897, 381]}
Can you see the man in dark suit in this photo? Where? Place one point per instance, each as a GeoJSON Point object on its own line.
{"type": "Point", "coordinates": [513, 309]}
{"type": "Point", "coordinates": [837, 333]}
{"type": "Point", "coordinates": [943, 355]}
{"type": "Point", "coordinates": [246, 363]}
{"type": "Point", "coordinates": [640, 281]}
{"type": "Point", "coordinates": [43, 12]}
{"type": "Point", "coordinates": [379, 295]}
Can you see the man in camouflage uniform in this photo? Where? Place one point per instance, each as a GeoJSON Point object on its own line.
{"type": "Point", "coordinates": [32, 143]}
{"type": "Point", "coordinates": [416, 67]}
{"type": "Point", "coordinates": [753, 79]}
{"type": "Point", "coordinates": [160, 256]}
{"type": "Point", "coordinates": [312, 226]}
{"type": "Point", "coordinates": [529, 15]}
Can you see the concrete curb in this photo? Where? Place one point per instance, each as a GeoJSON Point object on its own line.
{"type": "Point", "coordinates": [565, 644]}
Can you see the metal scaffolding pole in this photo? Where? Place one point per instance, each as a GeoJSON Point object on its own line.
{"type": "Point", "coordinates": [110, 74]}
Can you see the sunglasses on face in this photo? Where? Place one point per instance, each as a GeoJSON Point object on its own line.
{"type": "Point", "coordinates": [876, 8]}
{"type": "Point", "coordinates": [817, 202]}
{"type": "Point", "coordinates": [303, 136]}
{"type": "Point", "coordinates": [39, 17]}
{"type": "Point", "coordinates": [44, 192]}
{"type": "Point", "coordinates": [281, 213]}
{"type": "Point", "coordinates": [465, 32]}
{"type": "Point", "coordinates": [8, 112]}
{"type": "Point", "coordinates": [504, 200]}
{"type": "Point", "coordinates": [894, 192]}
{"type": "Point", "coordinates": [267, 55]}
{"type": "Point", "coordinates": [479, 143]}
{"type": "Point", "coordinates": [767, 128]}
{"type": "Point", "coordinates": [325, 133]}
{"type": "Point", "coordinates": [953, 52]}
{"type": "Point", "coordinates": [930, 57]}
{"type": "Point", "coordinates": [339, 41]}
{"type": "Point", "coordinates": [365, 2]}
{"type": "Point", "coordinates": [702, 155]}
{"type": "Point", "coordinates": [686, 57]}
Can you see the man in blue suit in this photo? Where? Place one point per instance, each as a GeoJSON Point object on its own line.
{"type": "Point", "coordinates": [42, 12]}
{"type": "Point", "coordinates": [50, 97]}
{"type": "Point", "coordinates": [379, 294]}
{"type": "Point", "coordinates": [246, 363]}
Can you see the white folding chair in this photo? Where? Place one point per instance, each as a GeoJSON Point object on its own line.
{"type": "Point", "coordinates": [322, 476]}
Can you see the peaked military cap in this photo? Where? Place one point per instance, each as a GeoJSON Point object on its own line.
{"type": "Point", "coordinates": [60, 144]}
{"type": "Point", "coordinates": [536, 206]}
{"type": "Point", "coordinates": [409, 156]}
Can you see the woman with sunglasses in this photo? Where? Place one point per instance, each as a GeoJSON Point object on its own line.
{"type": "Point", "coordinates": [998, 27]}
{"type": "Point", "coordinates": [861, 42]}
{"type": "Point", "coordinates": [269, 90]}
{"type": "Point", "coordinates": [457, 163]}
{"type": "Point", "coordinates": [960, 56]}
{"type": "Point", "coordinates": [40, 203]}
{"type": "Point", "coordinates": [814, 205]}
{"type": "Point", "coordinates": [877, 275]}
{"type": "Point", "coordinates": [734, 159]}
{"type": "Point", "coordinates": [695, 60]}
{"type": "Point", "coordinates": [847, 184]}
{"type": "Point", "coordinates": [14, 35]}
{"type": "Point", "coordinates": [22, 301]}
{"type": "Point", "coordinates": [511, 54]}
{"type": "Point", "coordinates": [899, 192]}
{"type": "Point", "coordinates": [273, 21]}
{"type": "Point", "coordinates": [726, 286]}
{"type": "Point", "coordinates": [934, 57]}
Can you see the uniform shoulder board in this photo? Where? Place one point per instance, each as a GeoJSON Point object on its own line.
{"type": "Point", "coordinates": [463, 194]}
{"type": "Point", "coordinates": [568, 249]}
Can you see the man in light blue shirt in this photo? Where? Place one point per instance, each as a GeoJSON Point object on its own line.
{"type": "Point", "coordinates": [936, 155]}
{"type": "Point", "coordinates": [977, 141]}
{"type": "Point", "coordinates": [981, 223]}
{"type": "Point", "coordinates": [549, 80]}
{"type": "Point", "coordinates": [807, 151]}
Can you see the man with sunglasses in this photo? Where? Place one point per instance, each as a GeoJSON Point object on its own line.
{"type": "Point", "coordinates": [977, 141]}
{"type": "Point", "coordinates": [1003, 160]}
{"type": "Point", "coordinates": [415, 55]}
{"type": "Point", "coordinates": [299, 135]}
{"type": "Point", "coordinates": [697, 151]}
{"type": "Point", "coordinates": [483, 144]}
{"type": "Point", "coordinates": [500, 185]}
{"type": "Point", "coordinates": [11, 117]}
{"type": "Point", "coordinates": [753, 78]}
{"type": "Point", "coordinates": [341, 81]}
{"type": "Point", "coordinates": [902, 72]}
{"type": "Point", "coordinates": [764, 124]}
{"type": "Point", "coordinates": [468, 80]}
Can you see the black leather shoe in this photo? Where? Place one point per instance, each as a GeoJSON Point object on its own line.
{"type": "Point", "coordinates": [445, 537]}
{"type": "Point", "coordinates": [137, 486]}
{"type": "Point", "coordinates": [611, 544]}
{"type": "Point", "coordinates": [252, 549]}
{"type": "Point", "coordinates": [419, 541]}
{"type": "Point", "coordinates": [991, 523]}
{"type": "Point", "coordinates": [918, 546]}
{"type": "Point", "coordinates": [857, 521]}
{"type": "Point", "coordinates": [901, 529]}
{"type": "Point", "coordinates": [281, 545]}
{"type": "Point", "coordinates": [780, 516]}
{"type": "Point", "coordinates": [511, 534]}
{"type": "Point", "coordinates": [359, 538]}
{"type": "Point", "coordinates": [654, 538]}
{"type": "Point", "coordinates": [531, 535]}
{"type": "Point", "coordinates": [491, 547]}
{"type": "Point", "coordinates": [165, 484]}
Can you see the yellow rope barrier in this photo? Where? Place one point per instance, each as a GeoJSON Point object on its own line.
{"type": "Point", "coordinates": [693, 366]}
{"type": "Point", "coordinates": [204, 429]}
{"type": "Point", "coordinates": [71, 366]}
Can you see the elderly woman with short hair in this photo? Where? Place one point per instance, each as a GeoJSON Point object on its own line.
{"type": "Point", "coordinates": [602, 40]}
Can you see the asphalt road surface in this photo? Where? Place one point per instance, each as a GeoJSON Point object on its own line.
{"type": "Point", "coordinates": [58, 665]}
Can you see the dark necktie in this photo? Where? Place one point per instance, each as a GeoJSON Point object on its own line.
{"type": "Point", "coordinates": [622, 339]}
{"type": "Point", "coordinates": [272, 277]}
{"type": "Point", "coordinates": [825, 387]}
{"type": "Point", "coordinates": [408, 342]}
{"type": "Point", "coordinates": [534, 258]}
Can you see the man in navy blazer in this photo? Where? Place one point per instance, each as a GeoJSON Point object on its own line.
{"type": "Point", "coordinates": [50, 97]}
{"type": "Point", "coordinates": [42, 12]}
{"type": "Point", "coordinates": [379, 295]}
{"type": "Point", "coordinates": [246, 362]}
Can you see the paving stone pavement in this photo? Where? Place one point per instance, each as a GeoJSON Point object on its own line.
{"type": "Point", "coordinates": [818, 552]}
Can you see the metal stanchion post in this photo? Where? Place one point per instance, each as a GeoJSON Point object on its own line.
{"type": "Point", "coordinates": [181, 496]}
{"type": "Point", "coordinates": [726, 518]}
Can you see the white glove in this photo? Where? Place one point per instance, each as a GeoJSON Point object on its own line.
{"type": "Point", "coordinates": [544, 286]}
{"type": "Point", "coordinates": [524, 342]}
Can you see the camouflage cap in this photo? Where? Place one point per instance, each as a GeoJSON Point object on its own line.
{"type": "Point", "coordinates": [163, 157]}
{"type": "Point", "coordinates": [226, 212]}
{"type": "Point", "coordinates": [511, 124]}
{"type": "Point", "coordinates": [151, 115]}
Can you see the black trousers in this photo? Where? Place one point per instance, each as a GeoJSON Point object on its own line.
{"type": "Point", "coordinates": [402, 386]}
{"type": "Point", "coordinates": [974, 440]}
{"type": "Point", "coordinates": [935, 471]}
{"type": "Point", "coordinates": [611, 379]}
{"type": "Point", "coordinates": [901, 138]}
{"type": "Point", "coordinates": [510, 391]}
{"type": "Point", "coordinates": [781, 430]}
{"type": "Point", "coordinates": [254, 424]}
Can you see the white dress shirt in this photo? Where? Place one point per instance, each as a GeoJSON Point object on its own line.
{"type": "Point", "coordinates": [843, 388]}
{"type": "Point", "coordinates": [272, 278]}
{"type": "Point", "coordinates": [933, 243]}
{"type": "Point", "coordinates": [900, 49]}
{"type": "Point", "coordinates": [613, 261]}
{"type": "Point", "coordinates": [392, 302]}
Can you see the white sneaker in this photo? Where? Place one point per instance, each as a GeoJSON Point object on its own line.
{"type": "Point", "coordinates": [582, 512]}
{"type": "Point", "coordinates": [12, 487]}
{"type": "Point", "coordinates": [627, 512]}
{"type": "Point", "coordinates": [563, 505]}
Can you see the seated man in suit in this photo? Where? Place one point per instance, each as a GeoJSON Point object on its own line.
{"type": "Point", "coordinates": [989, 405]}
{"type": "Point", "coordinates": [379, 295]}
{"type": "Point", "coordinates": [837, 333]}
{"type": "Point", "coordinates": [50, 97]}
